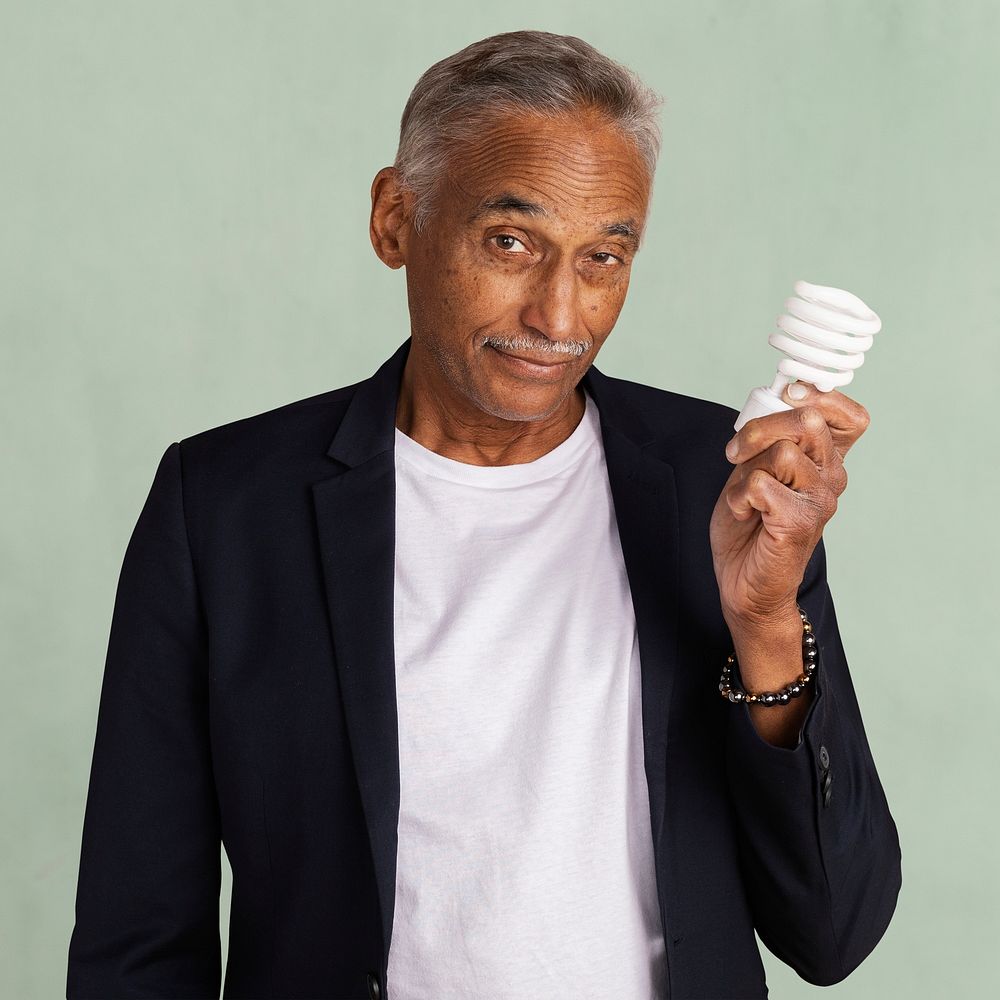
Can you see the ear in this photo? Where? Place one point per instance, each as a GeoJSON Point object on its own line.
{"type": "Point", "coordinates": [390, 226]}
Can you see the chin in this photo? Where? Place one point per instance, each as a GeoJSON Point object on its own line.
{"type": "Point", "coordinates": [532, 403]}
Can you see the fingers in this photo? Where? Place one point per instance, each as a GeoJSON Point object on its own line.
{"type": "Point", "coordinates": [784, 483]}
{"type": "Point", "coordinates": [760, 491]}
{"type": "Point", "coordinates": [846, 417]}
{"type": "Point", "coordinates": [786, 462]}
{"type": "Point", "coordinates": [790, 465]}
{"type": "Point", "coordinates": [807, 465]}
{"type": "Point", "coordinates": [821, 423]}
{"type": "Point", "coordinates": [804, 427]}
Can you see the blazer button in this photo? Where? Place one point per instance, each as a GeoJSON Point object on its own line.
{"type": "Point", "coordinates": [374, 990]}
{"type": "Point", "coordinates": [824, 758]}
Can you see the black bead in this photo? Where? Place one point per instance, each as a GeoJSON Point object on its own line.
{"type": "Point", "coordinates": [768, 699]}
{"type": "Point", "coordinates": [783, 697]}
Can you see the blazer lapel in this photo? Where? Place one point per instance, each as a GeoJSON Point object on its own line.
{"type": "Point", "coordinates": [355, 514]}
{"type": "Point", "coordinates": [644, 493]}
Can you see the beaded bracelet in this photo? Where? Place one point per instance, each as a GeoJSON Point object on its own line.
{"type": "Point", "coordinates": [731, 688]}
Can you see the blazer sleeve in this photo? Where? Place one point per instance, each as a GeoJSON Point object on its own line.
{"type": "Point", "coordinates": [147, 902]}
{"type": "Point", "coordinates": [818, 846]}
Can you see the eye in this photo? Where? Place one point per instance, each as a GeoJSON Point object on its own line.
{"type": "Point", "coordinates": [507, 242]}
{"type": "Point", "coordinates": [603, 257]}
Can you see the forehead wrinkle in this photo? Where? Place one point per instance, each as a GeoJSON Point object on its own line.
{"type": "Point", "coordinates": [626, 229]}
{"type": "Point", "coordinates": [566, 177]}
{"type": "Point", "coordinates": [506, 204]}
{"type": "Point", "coordinates": [485, 157]}
{"type": "Point", "coordinates": [548, 174]}
{"type": "Point", "coordinates": [587, 153]}
{"type": "Point", "coordinates": [540, 192]}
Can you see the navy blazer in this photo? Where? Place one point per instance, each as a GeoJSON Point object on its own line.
{"type": "Point", "coordinates": [249, 697]}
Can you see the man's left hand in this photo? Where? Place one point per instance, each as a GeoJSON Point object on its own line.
{"type": "Point", "coordinates": [789, 473]}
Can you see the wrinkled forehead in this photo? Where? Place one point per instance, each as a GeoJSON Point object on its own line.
{"type": "Point", "coordinates": [558, 166]}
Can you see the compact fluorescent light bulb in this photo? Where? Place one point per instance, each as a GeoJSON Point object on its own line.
{"type": "Point", "coordinates": [824, 332]}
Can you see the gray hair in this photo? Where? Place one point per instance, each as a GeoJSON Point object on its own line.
{"type": "Point", "coordinates": [510, 73]}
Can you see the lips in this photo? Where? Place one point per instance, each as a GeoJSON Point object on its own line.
{"type": "Point", "coordinates": [535, 369]}
{"type": "Point", "coordinates": [547, 362]}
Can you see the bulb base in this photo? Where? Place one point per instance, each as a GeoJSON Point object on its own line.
{"type": "Point", "coordinates": [760, 403]}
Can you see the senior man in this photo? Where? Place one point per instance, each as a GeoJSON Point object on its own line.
{"type": "Point", "coordinates": [437, 655]}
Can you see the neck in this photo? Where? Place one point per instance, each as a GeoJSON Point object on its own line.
{"type": "Point", "coordinates": [461, 431]}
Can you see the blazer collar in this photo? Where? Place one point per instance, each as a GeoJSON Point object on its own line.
{"type": "Point", "coordinates": [369, 425]}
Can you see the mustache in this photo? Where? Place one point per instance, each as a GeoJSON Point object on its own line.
{"type": "Point", "coordinates": [519, 342]}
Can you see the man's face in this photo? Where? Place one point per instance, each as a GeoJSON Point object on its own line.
{"type": "Point", "coordinates": [528, 253]}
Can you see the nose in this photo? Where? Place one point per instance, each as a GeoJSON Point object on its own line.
{"type": "Point", "coordinates": [553, 304]}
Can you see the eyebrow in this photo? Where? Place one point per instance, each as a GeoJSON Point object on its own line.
{"type": "Point", "coordinates": [626, 229]}
{"type": "Point", "coordinates": [507, 203]}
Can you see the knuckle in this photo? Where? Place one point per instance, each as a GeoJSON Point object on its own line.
{"type": "Point", "coordinates": [735, 498]}
{"type": "Point", "coordinates": [811, 419]}
{"type": "Point", "coordinates": [840, 479]}
{"type": "Point", "coordinates": [864, 418]}
{"type": "Point", "coordinates": [787, 452]}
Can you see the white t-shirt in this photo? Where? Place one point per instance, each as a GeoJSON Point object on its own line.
{"type": "Point", "coordinates": [525, 861]}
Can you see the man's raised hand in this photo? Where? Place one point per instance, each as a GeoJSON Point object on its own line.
{"type": "Point", "coordinates": [788, 476]}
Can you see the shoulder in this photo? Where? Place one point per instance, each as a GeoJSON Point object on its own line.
{"type": "Point", "coordinates": [284, 442]}
{"type": "Point", "coordinates": [275, 420]}
{"type": "Point", "coordinates": [675, 405]}
{"type": "Point", "coordinates": [678, 426]}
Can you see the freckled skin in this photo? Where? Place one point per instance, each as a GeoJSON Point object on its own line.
{"type": "Point", "coordinates": [549, 275]}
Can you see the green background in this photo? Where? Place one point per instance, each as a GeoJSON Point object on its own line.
{"type": "Point", "coordinates": [183, 242]}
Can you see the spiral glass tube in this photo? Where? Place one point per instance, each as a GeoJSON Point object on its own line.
{"type": "Point", "coordinates": [824, 333]}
